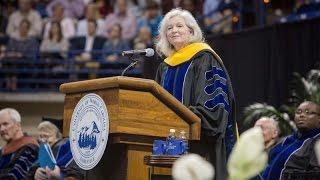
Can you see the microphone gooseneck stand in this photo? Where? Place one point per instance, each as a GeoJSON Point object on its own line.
{"type": "Point", "coordinates": [134, 60]}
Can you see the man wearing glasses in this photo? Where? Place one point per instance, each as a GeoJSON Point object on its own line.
{"type": "Point", "coordinates": [294, 156]}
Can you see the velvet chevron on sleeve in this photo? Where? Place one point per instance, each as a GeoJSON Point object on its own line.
{"type": "Point", "coordinates": [294, 154]}
{"type": "Point", "coordinates": [16, 165]}
{"type": "Point", "coordinates": [64, 158]}
{"type": "Point", "coordinates": [203, 85]}
{"type": "Point", "coordinates": [62, 153]}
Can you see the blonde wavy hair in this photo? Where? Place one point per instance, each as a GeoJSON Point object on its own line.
{"type": "Point", "coordinates": [163, 46]}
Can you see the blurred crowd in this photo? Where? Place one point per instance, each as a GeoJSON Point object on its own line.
{"type": "Point", "coordinates": [61, 33]}
{"type": "Point", "coordinates": [90, 30]}
{"type": "Point", "coordinates": [58, 26]}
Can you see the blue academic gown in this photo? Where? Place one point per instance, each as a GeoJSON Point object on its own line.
{"type": "Point", "coordinates": [285, 152]}
{"type": "Point", "coordinates": [203, 85]}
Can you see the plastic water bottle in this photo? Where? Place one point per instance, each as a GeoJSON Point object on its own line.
{"type": "Point", "coordinates": [170, 148]}
{"type": "Point", "coordinates": [184, 140]}
{"type": "Point", "coordinates": [171, 135]}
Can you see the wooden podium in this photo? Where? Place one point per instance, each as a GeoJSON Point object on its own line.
{"type": "Point", "coordinates": [140, 111]}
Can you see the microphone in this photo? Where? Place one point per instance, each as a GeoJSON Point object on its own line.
{"type": "Point", "coordinates": [143, 52]}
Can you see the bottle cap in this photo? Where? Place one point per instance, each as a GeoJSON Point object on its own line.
{"type": "Point", "coordinates": [172, 130]}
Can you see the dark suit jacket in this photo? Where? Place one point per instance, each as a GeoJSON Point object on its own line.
{"type": "Point", "coordinates": [78, 46]}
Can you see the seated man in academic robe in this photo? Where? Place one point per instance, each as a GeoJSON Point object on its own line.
{"type": "Point", "coordinates": [20, 152]}
{"type": "Point", "coordinates": [66, 167]}
{"type": "Point", "coordinates": [270, 131]}
{"type": "Point", "coordinates": [295, 153]}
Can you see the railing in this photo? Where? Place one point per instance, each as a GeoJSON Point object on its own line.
{"type": "Point", "coordinates": [299, 17]}
{"type": "Point", "coordinates": [46, 74]}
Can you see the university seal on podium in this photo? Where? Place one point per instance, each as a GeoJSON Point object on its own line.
{"type": "Point", "coordinates": [89, 130]}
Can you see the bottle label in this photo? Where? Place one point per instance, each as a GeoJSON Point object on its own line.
{"type": "Point", "coordinates": [159, 147]}
{"type": "Point", "coordinates": [171, 147]}
{"type": "Point", "coordinates": [174, 147]}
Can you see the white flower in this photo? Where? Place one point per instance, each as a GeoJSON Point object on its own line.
{"type": "Point", "coordinates": [248, 157]}
{"type": "Point", "coordinates": [317, 150]}
{"type": "Point", "coordinates": [285, 116]}
{"type": "Point", "coordinates": [192, 167]}
{"type": "Point", "coordinates": [309, 85]}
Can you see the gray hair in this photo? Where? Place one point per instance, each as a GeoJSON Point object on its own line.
{"type": "Point", "coordinates": [48, 126]}
{"type": "Point", "coordinates": [274, 123]}
{"type": "Point", "coordinates": [163, 46]}
{"type": "Point", "coordinates": [13, 114]}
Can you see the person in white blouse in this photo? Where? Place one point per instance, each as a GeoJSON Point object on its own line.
{"type": "Point", "coordinates": [55, 43]}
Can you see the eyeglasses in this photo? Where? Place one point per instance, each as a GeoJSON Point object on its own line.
{"type": "Point", "coordinates": [306, 112]}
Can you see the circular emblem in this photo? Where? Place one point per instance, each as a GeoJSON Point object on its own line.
{"type": "Point", "coordinates": [89, 130]}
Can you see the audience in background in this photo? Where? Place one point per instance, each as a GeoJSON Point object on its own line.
{"type": "Point", "coordinates": [20, 151]}
{"type": "Point", "coordinates": [22, 47]}
{"type": "Point", "coordinates": [53, 49]}
{"type": "Point", "coordinates": [217, 20]}
{"type": "Point", "coordinates": [40, 6]}
{"type": "Point", "coordinates": [72, 8]}
{"type": "Point", "coordinates": [6, 9]}
{"type": "Point", "coordinates": [270, 131]}
{"type": "Point", "coordinates": [134, 17]}
{"type": "Point", "coordinates": [210, 7]}
{"type": "Point", "coordinates": [88, 47]}
{"type": "Point", "coordinates": [295, 153]}
{"type": "Point", "coordinates": [25, 11]}
{"type": "Point", "coordinates": [121, 16]}
{"type": "Point", "coordinates": [3, 24]}
{"type": "Point", "coordinates": [113, 47]}
{"type": "Point", "coordinates": [134, 7]}
{"type": "Point", "coordinates": [275, 16]}
{"type": "Point", "coordinates": [91, 15]}
{"type": "Point", "coordinates": [67, 24]}
{"type": "Point", "coordinates": [167, 5]}
{"type": "Point", "coordinates": [55, 45]}
{"type": "Point", "coordinates": [104, 8]}
{"type": "Point", "coordinates": [144, 39]}
{"type": "Point", "coordinates": [151, 18]}
{"type": "Point", "coordinates": [65, 167]}
{"type": "Point", "coordinates": [191, 6]}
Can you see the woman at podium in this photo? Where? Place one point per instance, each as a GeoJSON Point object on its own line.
{"type": "Point", "coordinates": [194, 74]}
